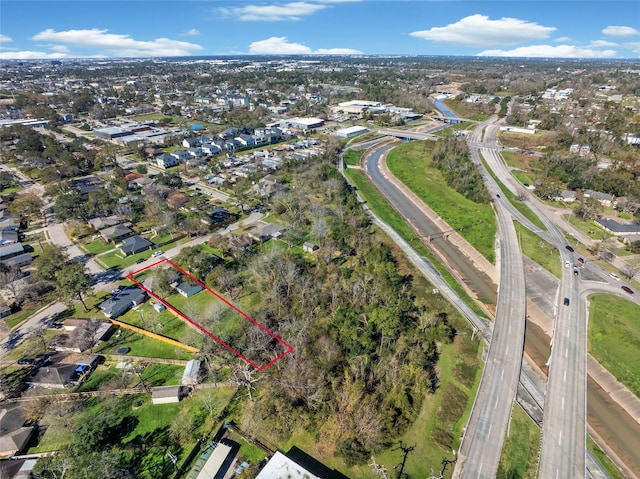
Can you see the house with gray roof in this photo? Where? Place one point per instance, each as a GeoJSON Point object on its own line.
{"type": "Point", "coordinates": [630, 231]}
{"type": "Point", "coordinates": [135, 244]}
{"type": "Point", "coordinates": [14, 435]}
{"type": "Point", "coordinates": [264, 233]}
{"type": "Point", "coordinates": [604, 198]}
{"type": "Point", "coordinates": [116, 232]}
{"type": "Point", "coordinates": [123, 302]}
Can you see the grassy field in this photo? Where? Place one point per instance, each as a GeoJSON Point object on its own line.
{"type": "Point", "coordinates": [587, 227]}
{"type": "Point", "coordinates": [520, 449]}
{"type": "Point", "coordinates": [98, 246]}
{"type": "Point", "coordinates": [411, 164]}
{"type": "Point", "coordinates": [538, 250]}
{"type": "Point", "coordinates": [614, 337]}
{"type": "Point", "coordinates": [352, 157]}
{"type": "Point", "coordinates": [386, 213]}
{"type": "Point", "coordinates": [141, 345]}
{"type": "Point", "coordinates": [16, 318]}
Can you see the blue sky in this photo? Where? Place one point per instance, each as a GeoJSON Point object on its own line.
{"type": "Point", "coordinates": [153, 28]}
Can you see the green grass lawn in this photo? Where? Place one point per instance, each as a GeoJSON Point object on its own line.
{"type": "Point", "coordinates": [614, 337]}
{"type": "Point", "coordinates": [98, 246]}
{"type": "Point", "coordinates": [114, 259]}
{"type": "Point", "coordinates": [587, 227]}
{"type": "Point", "coordinates": [380, 206]}
{"type": "Point", "coordinates": [162, 375]}
{"type": "Point", "coordinates": [520, 450]}
{"type": "Point", "coordinates": [352, 157]}
{"type": "Point", "coordinates": [411, 164]}
{"type": "Point", "coordinates": [141, 345]}
{"type": "Point", "coordinates": [18, 317]}
{"type": "Point", "coordinates": [538, 250]}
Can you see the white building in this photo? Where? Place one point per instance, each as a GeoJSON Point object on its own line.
{"type": "Point", "coordinates": [351, 131]}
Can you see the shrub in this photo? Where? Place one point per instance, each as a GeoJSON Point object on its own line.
{"type": "Point", "coordinates": [353, 451]}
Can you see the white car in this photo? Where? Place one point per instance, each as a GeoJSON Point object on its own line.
{"type": "Point", "coordinates": [567, 264]}
{"type": "Point", "coordinates": [614, 276]}
{"type": "Point", "coordinates": [157, 253]}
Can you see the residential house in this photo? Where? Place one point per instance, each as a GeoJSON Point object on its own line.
{"type": "Point", "coordinates": [143, 182]}
{"type": "Point", "coordinates": [14, 435]}
{"type": "Point", "coordinates": [191, 375]}
{"type": "Point", "coordinates": [8, 236]}
{"type": "Point", "coordinates": [56, 376]}
{"type": "Point", "coordinates": [195, 152]}
{"type": "Point", "coordinates": [605, 199]}
{"type": "Point", "coordinates": [268, 185]}
{"type": "Point", "coordinates": [267, 231]}
{"type": "Point", "coordinates": [188, 288]}
{"type": "Point", "coordinates": [246, 141]}
{"type": "Point", "coordinates": [81, 337]}
{"type": "Point", "coordinates": [281, 467]}
{"type": "Point", "coordinates": [210, 149]}
{"type": "Point", "coordinates": [134, 245]}
{"type": "Point", "coordinates": [166, 160]}
{"type": "Point", "coordinates": [217, 216]}
{"type": "Point", "coordinates": [566, 196]}
{"type": "Point", "coordinates": [14, 255]}
{"type": "Point", "coordinates": [180, 155]}
{"type": "Point", "coordinates": [630, 231]}
{"type": "Point", "coordinates": [166, 394]}
{"type": "Point", "coordinates": [191, 142]}
{"type": "Point", "coordinates": [116, 233]}
{"type": "Point", "coordinates": [123, 302]}
{"type": "Point", "coordinates": [104, 222]}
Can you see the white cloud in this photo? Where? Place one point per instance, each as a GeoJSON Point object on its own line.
{"type": "Point", "coordinates": [633, 46]}
{"type": "Point", "coordinates": [548, 51]}
{"type": "Point", "coordinates": [191, 33]}
{"type": "Point", "coordinates": [620, 31]}
{"type": "Point", "coordinates": [280, 46]}
{"type": "Point", "coordinates": [602, 43]}
{"type": "Point", "coordinates": [479, 30]}
{"type": "Point", "coordinates": [562, 39]}
{"type": "Point", "coordinates": [111, 44]}
{"type": "Point", "coordinates": [273, 13]}
{"type": "Point", "coordinates": [30, 55]}
{"type": "Point", "coordinates": [5, 39]}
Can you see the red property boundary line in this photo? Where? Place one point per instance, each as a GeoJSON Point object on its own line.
{"type": "Point", "coordinates": [200, 327]}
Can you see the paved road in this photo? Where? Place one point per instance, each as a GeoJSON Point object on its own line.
{"type": "Point", "coordinates": [481, 447]}
{"type": "Point", "coordinates": [475, 279]}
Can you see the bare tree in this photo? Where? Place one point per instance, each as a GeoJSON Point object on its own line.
{"type": "Point", "coordinates": [630, 270]}
{"type": "Point", "coordinates": [243, 375]}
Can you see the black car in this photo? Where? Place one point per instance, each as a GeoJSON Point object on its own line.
{"type": "Point", "coordinates": [566, 301]}
{"type": "Point", "coordinates": [141, 260]}
{"type": "Point", "coordinates": [570, 248]}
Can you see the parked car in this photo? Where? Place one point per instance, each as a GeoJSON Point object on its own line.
{"type": "Point", "coordinates": [627, 289]}
{"type": "Point", "coordinates": [140, 260]}
{"type": "Point", "coordinates": [157, 253]}
{"type": "Point", "coordinates": [566, 301]}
